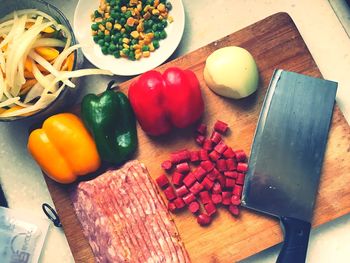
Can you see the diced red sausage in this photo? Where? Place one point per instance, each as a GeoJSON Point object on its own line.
{"type": "Point", "coordinates": [189, 198]}
{"type": "Point", "coordinates": [204, 219]}
{"type": "Point", "coordinates": [189, 179]}
{"type": "Point", "coordinates": [194, 207]}
{"type": "Point", "coordinates": [204, 196]}
{"type": "Point", "coordinates": [169, 193]}
{"type": "Point", "coordinates": [162, 181]}
{"type": "Point", "coordinates": [177, 178]}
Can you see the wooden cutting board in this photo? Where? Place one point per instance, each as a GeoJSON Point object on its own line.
{"type": "Point", "coordinates": [275, 43]}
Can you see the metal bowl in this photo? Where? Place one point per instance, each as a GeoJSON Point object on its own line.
{"type": "Point", "coordinates": [68, 95]}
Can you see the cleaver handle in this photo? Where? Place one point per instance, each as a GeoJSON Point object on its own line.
{"type": "Point", "coordinates": [296, 239]}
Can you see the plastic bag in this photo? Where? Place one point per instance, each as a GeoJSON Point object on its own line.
{"type": "Point", "coordinates": [21, 236]}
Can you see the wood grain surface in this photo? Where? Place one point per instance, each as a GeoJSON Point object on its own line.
{"type": "Point", "coordinates": [275, 43]}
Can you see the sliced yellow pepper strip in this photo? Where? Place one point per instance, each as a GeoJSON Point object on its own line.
{"type": "Point", "coordinates": [68, 63]}
{"type": "Point", "coordinates": [48, 53]}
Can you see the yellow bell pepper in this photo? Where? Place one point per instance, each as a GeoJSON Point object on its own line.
{"type": "Point", "coordinates": [63, 148]}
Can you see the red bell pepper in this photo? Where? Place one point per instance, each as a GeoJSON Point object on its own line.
{"type": "Point", "coordinates": [162, 101]}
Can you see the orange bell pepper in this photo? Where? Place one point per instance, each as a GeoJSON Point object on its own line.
{"type": "Point", "coordinates": [63, 148]}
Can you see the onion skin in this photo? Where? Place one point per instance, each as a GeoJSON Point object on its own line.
{"type": "Point", "coordinates": [231, 72]}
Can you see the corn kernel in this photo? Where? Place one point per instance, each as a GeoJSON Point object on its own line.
{"type": "Point", "coordinates": [117, 26]}
{"type": "Point", "coordinates": [146, 15]}
{"type": "Point", "coordinates": [161, 7]}
{"type": "Point", "coordinates": [133, 2]}
{"type": "Point", "coordinates": [122, 30]}
{"type": "Point", "coordinates": [142, 35]}
{"type": "Point", "coordinates": [121, 53]}
{"type": "Point", "coordinates": [103, 7]}
{"type": "Point", "coordinates": [107, 33]}
{"type": "Point", "coordinates": [126, 46]}
{"type": "Point", "coordinates": [155, 12]}
{"type": "Point", "coordinates": [147, 41]}
{"type": "Point", "coordinates": [141, 43]}
{"type": "Point", "coordinates": [136, 47]}
{"type": "Point", "coordinates": [130, 21]}
{"type": "Point", "coordinates": [149, 35]}
{"type": "Point", "coordinates": [140, 27]}
{"type": "Point", "coordinates": [107, 15]}
{"type": "Point", "coordinates": [156, 3]}
{"type": "Point", "coordinates": [138, 51]}
{"type": "Point", "coordinates": [151, 47]}
{"type": "Point", "coordinates": [123, 9]}
{"type": "Point", "coordinates": [98, 19]}
{"type": "Point", "coordinates": [126, 40]}
{"type": "Point", "coordinates": [136, 12]}
{"type": "Point", "coordinates": [134, 34]}
{"type": "Point", "coordinates": [146, 54]}
{"type": "Point", "coordinates": [94, 33]}
{"type": "Point", "coordinates": [146, 8]}
{"type": "Point", "coordinates": [170, 19]}
{"type": "Point", "coordinates": [109, 25]}
{"type": "Point", "coordinates": [100, 11]}
{"type": "Point", "coordinates": [160, 17]}
{"type": "Point", "coordinates": [139, 7]}
{"type": "Point", "coordinates": [137, 56]}
{"type": "Point", "coordinates": [101, 27]}
{"type": "Point", "coordinates": [108, 9]}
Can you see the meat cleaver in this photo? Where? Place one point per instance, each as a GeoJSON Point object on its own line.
{"type": "Point", "coordinates": [287, 154]}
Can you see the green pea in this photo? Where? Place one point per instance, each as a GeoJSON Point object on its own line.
{"type": "Point", "coordinates": [110, 19]}
{"type": "Point", "coordinates": [96, 39]}
{"type": "Point", "coordinates": [107, 38]}
{"type": "Point", "coordinates": [116, 54]}
{"type": "Point", "coordinates": [112, 3]}
{"type": "Point", "coordinates": [157, 35]}
{"type": "Point", "coordinates": [131, 56]}
{"type": "Point", "coordinates": [134, 42]}
{"type": "Point", "coordinates": [149, 22]}
{"type": "Point", "coordinates": [162, 34]}
{"type": "Point", "coordinates": [148, 30]}
{"type": "Point", "coordinates": [97, 14]}
{"type": "Point", "coordinates": [101, 35]}
{"type": "Point", "coordinates": [155, 44]}
{"type": "Point", "coordinates": [114, 15]}
{"type": "Point", "coordinates": [164, 23]}
{"type": "Point", "coordinates": [101, 42]}
{"type": "Point", "coordinates": [94, 26]}
{"type": "Point", "coordinates": [169, 6]}
{"type": "Point", "coordinates": [120, 41]}
{"type": "Point", "coordinates": [154, 27]}
{"type": "Point", "coordinates": [126, 51]}
{"type": "Point", "coordinates": [145, 48]}
{"type": "Point", "coordinates": [104, 50]}
{"type": "Point", "coordinates": [128, 14]}
{"type": "Point", "coordinates": [127, 28]}
{"type": "Point", "coordinates": [122, 21]}
{"type": "Point", "coordinates": [124, 35]}
{"type": "Point", "coordinates": [112, 48]}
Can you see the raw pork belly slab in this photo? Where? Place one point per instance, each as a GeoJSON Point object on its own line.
{"type": "Point", "coordinates": [125, 220]}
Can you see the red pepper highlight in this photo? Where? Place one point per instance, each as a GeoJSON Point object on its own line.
{"type": "Point", "coordinates": [163, 101]}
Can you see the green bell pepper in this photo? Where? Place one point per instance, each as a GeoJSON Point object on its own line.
{"type": "Point", "coordinates": [112, 122]}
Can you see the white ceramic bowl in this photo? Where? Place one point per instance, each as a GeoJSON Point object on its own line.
{"type": "Point", "coordinates": [123, 66]}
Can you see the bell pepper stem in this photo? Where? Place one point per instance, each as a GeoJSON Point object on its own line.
{"type": "Point", "coordinates": [111, 87]}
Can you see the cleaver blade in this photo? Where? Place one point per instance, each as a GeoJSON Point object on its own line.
{"type": "Point", "coordinates": [287, 155]}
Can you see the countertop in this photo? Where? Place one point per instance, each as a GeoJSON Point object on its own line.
{"type": "Point", "coordinates": [206, 21]}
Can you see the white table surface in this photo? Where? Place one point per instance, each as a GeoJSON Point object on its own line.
{"type": "Point", "coordinates": [207, 20]}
